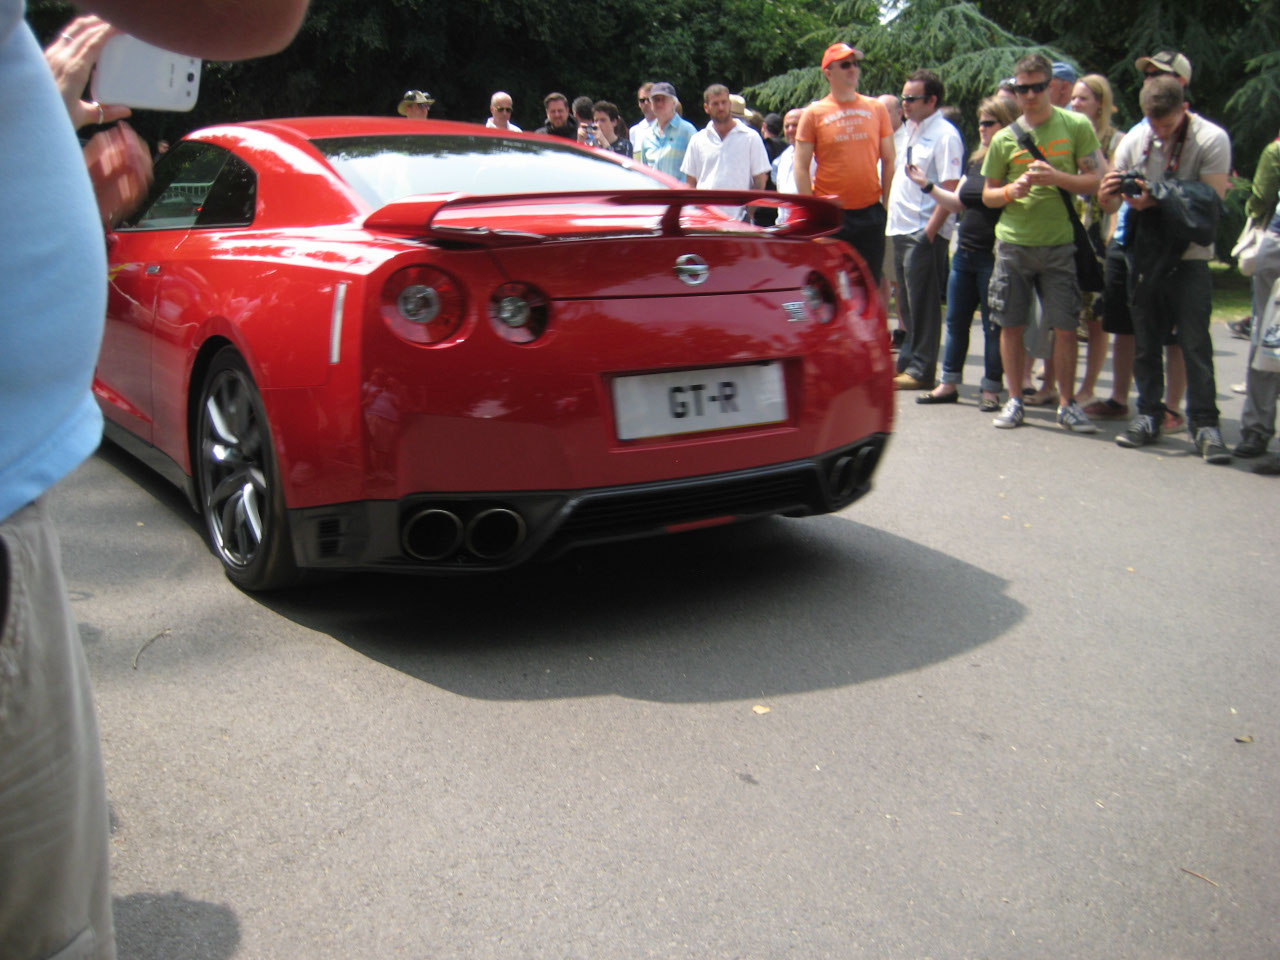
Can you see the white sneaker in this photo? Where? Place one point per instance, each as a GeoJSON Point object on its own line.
{"type": "Point", "coordinates": [1011, 416]}
{"type": "Point", "coordinates": [1074, 419]}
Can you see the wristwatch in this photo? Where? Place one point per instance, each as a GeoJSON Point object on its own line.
{"type": "Point", "coordinates": [928, 187]}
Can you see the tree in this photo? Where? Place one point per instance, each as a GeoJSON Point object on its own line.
{"type": "Point", "coordinates": [359, 56]}
{"type": "Point", "coordinates": [1227, 42]}
{"type": "Point", "coordinates": [970, 52]}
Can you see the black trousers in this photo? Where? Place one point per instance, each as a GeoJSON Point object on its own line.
{"type": "Point", "coordinates": [864, 231]}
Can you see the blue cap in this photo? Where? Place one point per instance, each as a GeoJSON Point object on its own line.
{"type": "Point", "coordinates": [1064, 71]}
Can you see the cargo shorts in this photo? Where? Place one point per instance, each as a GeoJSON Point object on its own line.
{"type": "Point", "coordinates": [1022, 272]}
{"type": "Point", "coordinates": [55, 902]}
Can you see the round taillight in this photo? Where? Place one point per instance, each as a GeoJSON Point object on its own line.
{"type": "Point", "coordinates": [423, 304]}
{"type": "Point", "coordinates": [519, 312]}
{"type": "Point", "coordinates": [819, 298]}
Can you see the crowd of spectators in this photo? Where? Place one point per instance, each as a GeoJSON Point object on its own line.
{"type": "Point", "coordinates": [999, 232]}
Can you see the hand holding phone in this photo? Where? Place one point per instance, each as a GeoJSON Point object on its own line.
{"type": "Point", "coordinates": [133, 73]}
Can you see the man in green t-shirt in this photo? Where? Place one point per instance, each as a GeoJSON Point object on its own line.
{"type": "Point", "coordinates": [1035, 245]}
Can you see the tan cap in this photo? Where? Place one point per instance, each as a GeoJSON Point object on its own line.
{"type": "Point", "coordinates": [1166, 61]}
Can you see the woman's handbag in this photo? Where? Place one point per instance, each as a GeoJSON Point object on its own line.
{"type": "Point", "coordinates": [1266, 358]}
{"type": "Point", "coordinates": [1246, 249]}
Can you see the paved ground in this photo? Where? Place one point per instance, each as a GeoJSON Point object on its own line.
{"type": "Point", "coordinates": [1005, 696]}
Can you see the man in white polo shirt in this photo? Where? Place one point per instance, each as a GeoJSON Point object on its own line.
{"type": "Point", "coordinates": [726, 154]}
{"type": "Point", "coordinates": [920, 228]}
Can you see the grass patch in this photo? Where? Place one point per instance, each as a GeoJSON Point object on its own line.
{"type": "Point", "coordinates": [1232, 293]}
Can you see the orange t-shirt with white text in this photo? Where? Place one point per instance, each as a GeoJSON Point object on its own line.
{"type": "Point", "coordinates": [846, 137]}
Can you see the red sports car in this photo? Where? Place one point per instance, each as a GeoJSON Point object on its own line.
{"type": "Point", "coordinates": [384, 344]}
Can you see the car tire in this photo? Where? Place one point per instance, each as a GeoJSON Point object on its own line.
{"type": "Point", "coordinates": [238, 479]}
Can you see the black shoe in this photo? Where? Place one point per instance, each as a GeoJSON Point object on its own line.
{"type": "Point", "coordinates": [926, 398]}
{"type": "Point", "coordinates": [899, 335]}
{"type": "Point", "coordinates": [1209, 443]}
{"type": "Point", "coordinates": [1251, 445]}
{"type": "Point", "coordinates": [1240, 329]}
{"type": "Point", "coordinates": [1142, 430]}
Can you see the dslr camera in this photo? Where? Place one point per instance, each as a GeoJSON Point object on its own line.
{"type": "Point", "coordinates": [1131, 184]}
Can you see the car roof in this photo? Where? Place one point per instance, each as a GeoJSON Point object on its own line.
{"type": "Point", "coordinates": [318, 128]}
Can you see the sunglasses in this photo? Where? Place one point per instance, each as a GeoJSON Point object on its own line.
{"type": "Point", "coordinates": [643, 100]}
{"type": "Point", "coordinates": [1148, 74]}
{"type": "Point", "coordinates": [502, 109]}
{"type": "Point", "coordinates": [849, 64]}
{"type": "Point", "coordinates": [913, 99]}
{"type": "Point", "coordinates": [1025, 88]}
{"type": "Point", "coordinates": [988, 123]}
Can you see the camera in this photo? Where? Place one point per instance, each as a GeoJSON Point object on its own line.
{"type": "Point", "coordinates": [1131, 184]}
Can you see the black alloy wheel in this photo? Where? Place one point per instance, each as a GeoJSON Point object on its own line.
{"type": "Point", "coordinates": [239, 483]}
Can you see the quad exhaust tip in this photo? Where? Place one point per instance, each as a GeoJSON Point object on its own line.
{"type": "Point", "coordinates": [437, 533]}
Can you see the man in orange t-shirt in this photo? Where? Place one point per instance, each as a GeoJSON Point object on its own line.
{"type": "Point", "coordinates": [850, 135]}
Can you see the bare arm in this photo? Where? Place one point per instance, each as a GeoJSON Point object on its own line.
{"type": "Point", "coordinates": [690, 179]}
{"type": "Point", "coordinates": [888, 160]}
{"type": "Point", "coordinates": [758, 181]}
{"type": "Point", "coordinates": [1220, 182]}
{"type": "Point", "coordinates": [940, 213]}
{"type": "Point", "coordinates": [997, 193]}
{"type": "Point", "coordinates": [209, 29]}
{"type": "Point", "coordinates": [804, 156]}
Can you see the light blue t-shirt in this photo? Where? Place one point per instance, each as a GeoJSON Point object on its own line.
{"type": "Point", "coordinates": [53, 277]}
{"type": "Point", "coordinates": [665, 151]}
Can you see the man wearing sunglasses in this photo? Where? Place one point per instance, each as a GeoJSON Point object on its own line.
{"type": "Point", "coordinates": [852, 139]}
{"type": "Point", "coordinates": [920, 228]}
{"type": "Point", "coordinates": [664, 146]}
{"type": "Point", "coordinates": [500, 113]}
{"type": "Point", "coordinates": [1035, 242]}
{"type": "Point", "coordinates": [645, 104]}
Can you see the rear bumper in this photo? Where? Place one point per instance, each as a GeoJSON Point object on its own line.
{"type": "Point", "coordinates": [458, 533]}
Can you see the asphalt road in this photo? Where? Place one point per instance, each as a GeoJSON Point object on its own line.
{"type": "Point", "coordinates": [992, 710]}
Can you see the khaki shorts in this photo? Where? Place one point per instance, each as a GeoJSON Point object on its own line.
{"type": "Point", "coordinates": [54, 898]}
{"type": "Point", "coordinates": [1022, 272]}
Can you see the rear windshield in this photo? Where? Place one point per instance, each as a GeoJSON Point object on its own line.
{"type": "Point", "coordinates": [386, 168]}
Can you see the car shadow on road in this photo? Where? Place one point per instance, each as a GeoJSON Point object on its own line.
{"type": "Point", "coordinates": [771, 607]}
{"type": "Point", "coordinates": [163, 926]}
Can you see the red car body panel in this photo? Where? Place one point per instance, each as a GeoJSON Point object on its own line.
{"type": "Point", "coordinates": [300, 294]}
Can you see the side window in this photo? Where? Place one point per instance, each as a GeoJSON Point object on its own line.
{"type": "Point", "coordinates": [183, 180]}
{"type": "Point", "coordinates": [232, 198]}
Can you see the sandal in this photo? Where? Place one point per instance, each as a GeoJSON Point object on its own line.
{"type": "Point", "coordinates": [989, 403]}
{"type": "Point", "coordinates": [1173, 422]}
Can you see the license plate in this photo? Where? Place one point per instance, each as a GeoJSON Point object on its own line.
{"type": "Point", "coordinates": [691, 401]}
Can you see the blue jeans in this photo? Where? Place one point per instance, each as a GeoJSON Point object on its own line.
{"type": "Point", "coordinates": [967, 289]}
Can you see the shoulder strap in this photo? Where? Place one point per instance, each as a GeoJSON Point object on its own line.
{"type": "Point", "coordinates": [1028, 144]}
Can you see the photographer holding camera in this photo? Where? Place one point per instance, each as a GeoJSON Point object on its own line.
{"type": "Point", "coordinates": [1172, 173]}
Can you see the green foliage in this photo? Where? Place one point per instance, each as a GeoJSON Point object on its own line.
{"type": "Point", "coordinates": [359, 56]}
{"type": "Point", "coordinates": [1232, 45]}
{"type": "Point", "coordinates": [970, 52]}
{"type": "Point", "coordinates": [1227, 42]}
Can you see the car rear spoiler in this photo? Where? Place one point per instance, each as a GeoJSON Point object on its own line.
{"type": "Point", "coordinates": [807, 218]}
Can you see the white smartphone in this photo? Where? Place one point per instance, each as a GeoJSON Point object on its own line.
{"type": "Point", "coordinates": [134, 73]}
